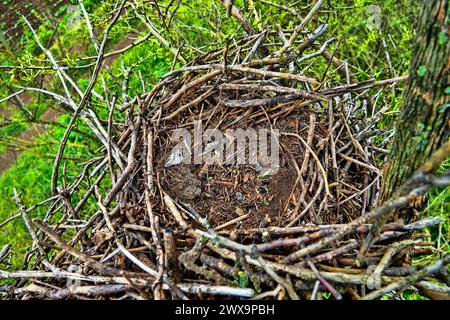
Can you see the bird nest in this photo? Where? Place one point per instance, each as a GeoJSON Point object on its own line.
{"type": "Point", "coordinates": [288, 225]}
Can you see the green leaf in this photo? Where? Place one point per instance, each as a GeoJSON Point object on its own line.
{"type": "Point", "coordinates": [422, 71]}
{"type": "Point", "coordinates": [443, 38]}
{"type": "Point", "coordinates": [443, 108]}
{"type": "Point", "coordinates": [243, 279]}
{"type": "Point", "coordinates": [447, 91]}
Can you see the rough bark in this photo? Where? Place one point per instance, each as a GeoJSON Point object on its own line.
{"type": "Point", "coordinates": [423, 125]}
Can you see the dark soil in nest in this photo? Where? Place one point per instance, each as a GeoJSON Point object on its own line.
{"type": "Point", "coordinates": [226, 192]}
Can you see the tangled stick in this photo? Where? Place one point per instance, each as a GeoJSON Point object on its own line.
{"type": "Point", "coordinates": [196, 230]}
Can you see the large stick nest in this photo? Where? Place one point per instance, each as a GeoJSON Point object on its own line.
{"type": "Point", "coordinates": [224, 229]}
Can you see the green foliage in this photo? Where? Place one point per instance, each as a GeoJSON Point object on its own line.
{"type": "Point", "coordinates": [438, 204]}
{"type": "Point", "coordinates": [443, 38]}
{"type": "Point", "coordinates": [444, 107]}
{"type": "Point", "coordinates": [422, 71]}
{"type": "Point", "coordinates": [412, 295]}
{"type": "Point", "coordinates": [326, 295]}
{"type": "Point", "coordinates": [242, 279]}
{"type": "Point", "coordinates": [363, 38]}
{"type": "Point", "coordinates": [31, 175]}
{"type": "Point", "coordinates": [447, 91]}
{"type": "Point", "coordinates": [62, 10]}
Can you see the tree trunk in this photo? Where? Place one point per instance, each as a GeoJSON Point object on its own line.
{"type": "Point", "coordinates": [424, 120]}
